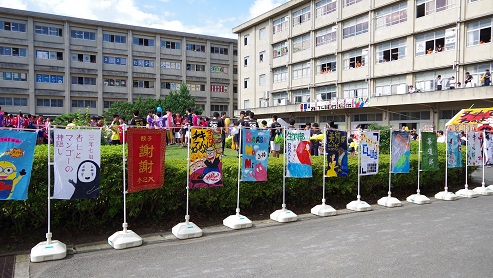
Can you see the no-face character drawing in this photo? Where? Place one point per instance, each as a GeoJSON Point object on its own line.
{"type": "Point", "coordinates": [87, 185]}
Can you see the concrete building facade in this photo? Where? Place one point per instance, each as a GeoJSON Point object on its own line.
{"type": "Point", "coordinates": [354, 61]}
{"type": "Point", "coordinates": [52, 64]}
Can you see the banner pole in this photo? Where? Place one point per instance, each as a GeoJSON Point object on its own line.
{"type": "Point", "coordinates": [284, 173]}
{"type": "Point", "coordinates": [484, 155]}
{"type": "Point", "coordinates": [445, 195]}
{"type": "Point", "coordinates": [420, 156]}
{"type": "Point", "coordinates": [239, 174]}
{"type": "Point", "coordinates": [324, 209]}
{"type": "Point", "coordinates": [125, 224]}
{"type": "Point", "coordinates": [418, 198]}
{"type": "Point", "coordinates": [50, 249]}
{"type": "Point", "coordinates": [390, 201]}
{"type": "Point", "coordinates": [187, 229]}
{"type": "Point", "coordinates": [466, 192]}
{"type": "Point", "coordinates": [358, 197]}
{"type": "Point", "coordinates": [466, 186]}
{"type": "Point", "coordinates": [359, 205]}
{"type": "Point", "coordinates": [324, 166]}
{"type": "Point", "coordinates": [390, 163]}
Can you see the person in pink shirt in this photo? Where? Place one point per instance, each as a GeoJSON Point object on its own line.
{"type": "Point", "coordinates": [170, 127]}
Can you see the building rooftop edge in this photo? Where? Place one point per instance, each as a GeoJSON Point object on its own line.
{"type": "Point", "coordinates": [111, 24]}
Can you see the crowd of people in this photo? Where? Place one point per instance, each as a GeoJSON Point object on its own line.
{"type": "Point", "coordinates": [451, 84]}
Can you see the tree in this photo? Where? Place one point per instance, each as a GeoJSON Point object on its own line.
{"type": "Point", "coordinates": [78, 118]}
{"type": "Point", "coordinates": [179, 100]}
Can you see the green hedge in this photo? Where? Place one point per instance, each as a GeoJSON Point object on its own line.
{"type": "Point", "coordinates": [168, 203]}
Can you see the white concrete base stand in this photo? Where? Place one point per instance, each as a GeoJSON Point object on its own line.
{"type": "Point", "coordinates": [490, 187]}
{"type": "Point", "coordinates": [418, 199]}
{"type": "Point", "coordinates": [186, 230]}
{"type": "Point", "coordinates": [485, 191]}
{"type": "Point", "coordinates": [358, 205]}
{"type": "Point", "coordinates": [124, 239]}
{"type": "Point", "coordinates": [323, 210]}
{"type": "Point", "coordinates": [389, 202]}
{"type": "Point", "coordinates": [48, 250]}
{"type": "Point", "coordinates": [467, 193]}
{"type": "Point", "coordinates": [283, 215]}
{"type": "Point", "coordinates": [446, 196]}
{"type": "Point", "coordinates": [237, 221]}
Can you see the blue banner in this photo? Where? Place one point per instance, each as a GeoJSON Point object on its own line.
{"type": "Point", "coordinates": [401, 151]}
{"type": "Point", "coordinates": [16, 161]}
{"type": "Point", "coordinates": [255, 145]}
{"type": "Point", "coordinates": [454, 155]}
{"type": "Point", "coordinates": [336, 150]}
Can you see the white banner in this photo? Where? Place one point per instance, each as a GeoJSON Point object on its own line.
{"type": "Point", "coordinates": [370, 151]}
{"type": "Point", "coordinates": [77, 163]}
{"type": "Point", "coordinates": [474, 150]}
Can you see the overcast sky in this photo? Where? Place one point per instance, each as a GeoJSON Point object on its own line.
{"type": "Point", "coordinates": [208, 17]}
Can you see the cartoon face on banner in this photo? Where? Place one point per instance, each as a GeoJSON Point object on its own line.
{"type": "Point", "coordinates": [77, 160]}
{"type": "Point", "coordinates": [255, 144]}
{"type": "Point", "coordinates": [298, 154]}
{"type": "Point", "coordinates": [16, 157]}
{"type": "Point", "coordinates": [205, 159]}
{"type": "Point", "coordinates": [336, 146]}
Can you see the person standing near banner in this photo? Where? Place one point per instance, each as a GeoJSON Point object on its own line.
{"type": "Point", "coordinates": [115, 137]}
{"type": "Point", "coordinates": [275, 131]}
{"type": "Point", "coordinates": [122, 129]}
{"type": "Point", "coordinates": [226, 122]}
{"type": "Point", "coordinates": [251, 122]}
{"type": "Point", "coordinates": [137, 120]}
{"type": "Point", "coordinates": [150, 119]}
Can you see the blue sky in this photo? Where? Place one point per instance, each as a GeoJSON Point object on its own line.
{"type": "Point", "coordinates": [209, 17]}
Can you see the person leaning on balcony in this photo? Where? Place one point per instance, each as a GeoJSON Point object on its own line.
{"type": "Point", "coordinates": [459, 85]}
{"type": "Point", "coordinates": [439, 48]}
{"type": "Point", "coordinates": [438, 82]}
{"type": "Point", "coordinates": [358, 64]}
{"type": "Point", "coordinates": [411, 89]}
{"type": "Point", "coordinates": [468, 81]}
{"type": "Point", "coordinates": [486, 78]}
{"type": "Point", "coordinates": [451, 83]}
{"type": "Point", "coordinates": [429, 51]}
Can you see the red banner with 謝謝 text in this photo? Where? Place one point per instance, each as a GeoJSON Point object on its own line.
{"type": "Point", "coordinates": [146, 150]}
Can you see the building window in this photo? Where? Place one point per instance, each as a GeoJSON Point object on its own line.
{"type": "Point", "coordinates": [143, 41]}
{"type": "Point", "coordinates": [261, 80]}
{"type": "Point", "coordinates": [301, 16]}
{"type": "Point", "coordinates": [326, 93]}
{"type": "Point", "coordinates": [80, 80]}
{"type": "Point", "coordinates": [434, 42]}
{"type": "Point", "coordinates": [195, 67]}
{"type": "Point", "coordinates": [219, 88]}
{"type": "Point", "coordinates": [245, 61]}
{"type": "Point", "coordinates": [300, 96]}
{"type": "Point", "coordinates": [326, 64]}
{"type": "Point", "coordinates": [83, 103]}
{"type": "Point", "coordinates": [355, 27]}
{"type": "Point", "coordinates": [164, 85]}
{"type": "Point", "coordinates": [47, 78]}
{"type": "Point", "coordinates": [261, 33]}
{"type": "Point", "coordinates": [479, 32]}
{"type": "Point", "coordinates": [235, 90]}
{"type": "Point", "coordinates": [279, 25]}
{"type": "Point", "coordinates": [477, 72]}
{"type": "Point", "coordinates": [170, 44]}
{"type": "Point", "coordinates": [195, 47]}
{"type": "Point", "coordinates": [355, 89]}
{"type": "Point", "coordinates": [13, 76]}
{"type": "Point", "coordinates": [46, 102]}
{"type": "Point", "coordinates": [51, 55]}
{"type": "Point", "coordinates": [13, 101]}
{"type": "Point", "coordinates": [301, 42]}
{"type": "Point", "coordinates": [280, 74]}
{"type": "Point", "coordinates": [235, 70]}
{"type": "Point", "coordinates": [301, 70]}
{"type": "Point", "coordinates": [280, 98]}
{"type": "Point", "coordinates": [373, 117]}
{"type": "Point", "coordinates": [280, 49]}
{"type": "Point", "coordinates": [219, 50]}
{"type": "Point", "coordinates": [114, 38]}
{"type": "Point", "coordinates": [245, 83]}
{"type": "Point", "coordinates": [50, 31]}
{"type": "Point", "coordinates": [351, 2]}
{"type": "Point", "coordinates": [391, 51]}
{"type": "Point", "coordinates": [115, 82]}
{"type": "Point", "coordinates": [13, 51]}
{"type": "Point", "coordinates": [219, 107]}
{"type": "Point", "coordinates": [83, 35]}
{"type": "Point", "coordinates": [107, 103]}
{"type": "Point", "coordinates": [246, 104]}
{"type": "Point", "coordinates": [326, 35]}
{"type": "Point", "coordinates": [13, 26]}
{"type": "Point", "coordinates": [425, 81]}
{"type": "Point", "coordinates": [261, 56]}
{"type": "Point", "coordinates": [391, 86]}
{"type": "Point", "coordinates": [171, 65]}
{"type": "Point", "coordinates": [83, 58]}
{"type": "Point", "coordinates": [110, 60]}
{"type": "Point", "coordinates": [143, 63]}
{"type": "Point", "coordinates": [143, 84]}
{"type": "Point", "coordinates": [245, 40]}
{"type": "Point", "coordinates": [427, 7]}
{"type": "Point", "coordinates": [325, 7]}
{"type": "Point", "coordinates": [392, 15]}
{"type": "Point", "coordinates": [355, 59]}
{"type": "Point", "coordinates": [411, 116]}
{"type": "Point", "coordinates": [235, 52]}
{"type": "Point", "coordinates": [196, 87]}
{"type": "Point", "coordinates": [219, 69]}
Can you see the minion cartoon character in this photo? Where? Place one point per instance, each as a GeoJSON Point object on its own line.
{"type": "Point", "coordinates": [87, 185]}
{"type": "Point", "coordinates": [8, 179]}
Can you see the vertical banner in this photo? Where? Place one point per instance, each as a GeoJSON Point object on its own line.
{"type": "Point", "coordinates": [298, 154]}
{"type": "Point", "coordinates": [370, 151]}
{"type": "Point", "coordinates": [146, 154]}
{"type": "Point", "coordinates": [401, 151]}
{"type": "Point", "coordinates": [255, 145]}
{"type": "Point", "coordinates": [77, 163]}
{"type": "Point", "coordinates": [205, 159]}
{"type": "Point", "coordinates": [474, 149]}
{"type": "Point", "coordinates": [429, 153]}
{"type": "Point", "coordinates": [16, 161]}
{"type": "Point", "coordinates": [336, 149]}
{"type": "Point", "coordinates": [454, 159]}
{"type": "Point", "coordinates": [488, 152]}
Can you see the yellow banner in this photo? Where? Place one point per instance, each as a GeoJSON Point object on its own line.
{"type": "Point", "coordinates": [472, 117]}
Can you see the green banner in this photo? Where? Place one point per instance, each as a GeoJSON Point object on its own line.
{"type": "Point", "coordinates": [429, 154]}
